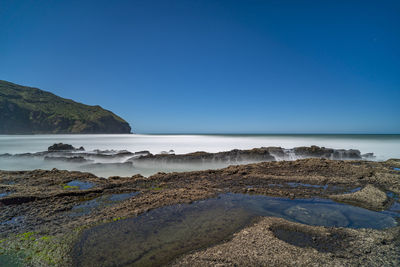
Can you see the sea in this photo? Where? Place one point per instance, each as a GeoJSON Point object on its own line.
{"type": "Point", "coordinates": [383, 146]}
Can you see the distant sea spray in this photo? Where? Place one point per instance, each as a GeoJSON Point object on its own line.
{"type": "Point", "coordinates": [103, 154]}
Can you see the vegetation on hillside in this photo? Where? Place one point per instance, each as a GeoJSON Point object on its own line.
{"type": "Point", "coordinates": [27, 110]}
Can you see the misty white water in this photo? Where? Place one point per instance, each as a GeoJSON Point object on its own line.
{"type": "Point", "coordinates": [383, 146]}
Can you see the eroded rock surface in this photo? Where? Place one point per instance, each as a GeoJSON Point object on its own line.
{"type": "Point", "coordinates": [369, 197]}
{"type": "Point", "coordinates": [59, 204]}
{"type": "Point", "coordinates": [277, 242]}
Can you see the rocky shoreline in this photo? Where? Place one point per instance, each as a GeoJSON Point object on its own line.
{"type": "Point", "coordinates": [45, 212]}
{"type": "Point", "coordinates": [104, 163]}
{"type": "Point", "coordinates": [65, 151]}
{"type": "Point", "coordinates": [254, 155]}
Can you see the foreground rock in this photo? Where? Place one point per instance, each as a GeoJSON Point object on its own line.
{"type": "Point", "coordinates": [44, 212]}
{"type": "Point", "coordinates": [369, 197]}
{"type": "Point", "coordinates": [277, 242]}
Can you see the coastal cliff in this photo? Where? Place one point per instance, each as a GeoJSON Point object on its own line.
{"type": "Point", "coordinates": [27, 110]}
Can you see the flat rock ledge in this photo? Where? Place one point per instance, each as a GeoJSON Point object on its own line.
{"type": "Point", "coordinates": [369, 197]}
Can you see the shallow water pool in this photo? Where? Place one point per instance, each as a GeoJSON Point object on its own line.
{"type": "Point", "coordinates": [4, 194]}
{"type": "Point", "coordinates": [160, 235]}
{"type": "Point", "coordinates": [81, 185]}
{"type": "Point", "coordinates": [86, 207]}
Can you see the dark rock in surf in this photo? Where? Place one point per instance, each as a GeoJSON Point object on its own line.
{"type": "Point", "coordinates": [233, 156]}
{"type": "Point", "coordinates": [237, 156]}
{"type": "Point", "coordinates": [328, 153]}
{"type": "Point", "coordinates": [64, 147]}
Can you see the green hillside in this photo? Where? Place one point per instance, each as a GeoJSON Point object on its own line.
{"type": "Point", "coordinates": [27, 110]}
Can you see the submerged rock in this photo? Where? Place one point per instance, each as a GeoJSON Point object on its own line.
{"type": "Point", "coordinates": [317, 215]}
{"type": "Point", "coordinates": [105, 165]}
{"type": "Point", "coordinates": [75, 159]}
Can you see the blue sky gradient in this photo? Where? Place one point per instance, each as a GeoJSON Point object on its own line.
{"type": "Point", "coordinates": [214, 66]}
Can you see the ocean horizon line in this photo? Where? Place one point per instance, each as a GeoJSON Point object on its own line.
{"type": "Point", "coordinates": [266, 133]}
{"type": "Point", "coordinates": [194, 133]}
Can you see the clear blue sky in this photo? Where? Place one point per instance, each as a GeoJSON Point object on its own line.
{"type": "Point", "coordinates": [214, 66]}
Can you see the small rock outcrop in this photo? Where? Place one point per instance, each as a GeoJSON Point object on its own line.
{"type": "Point", "coordinates": [64, 147]}
{"type": "Point", "coordinates": [329, 153]}
{"type": "Point", "coordinates": [369, 197]}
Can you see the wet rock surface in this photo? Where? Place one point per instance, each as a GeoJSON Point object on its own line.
{"type": "Point", "coordinates": [322, 152]}
{"type": "Point", "coordinates": [60, 204]}
{"type": "Point", "coordinates": [255, 155]}
{"type": "Point", "coordinates": [236, 155]}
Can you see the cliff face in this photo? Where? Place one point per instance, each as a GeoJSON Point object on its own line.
{"type": "Point", "coordinates": [27, 110]}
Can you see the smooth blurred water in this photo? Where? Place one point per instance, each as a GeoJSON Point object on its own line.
{"type": "Point", "coordinates": [384, 146]}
